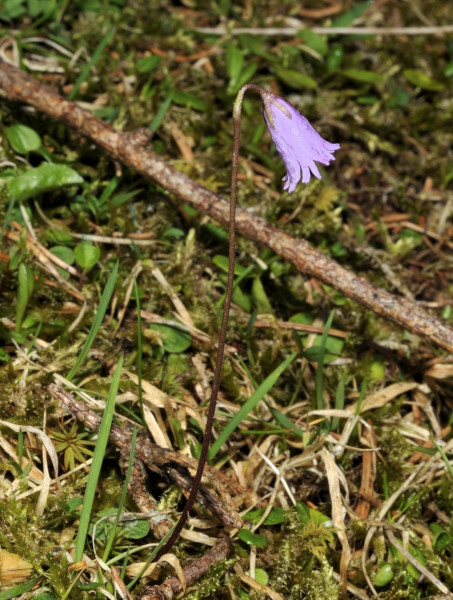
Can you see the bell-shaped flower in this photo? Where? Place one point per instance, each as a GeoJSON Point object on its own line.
{"type": "Point", "coordinates": [297, 142]}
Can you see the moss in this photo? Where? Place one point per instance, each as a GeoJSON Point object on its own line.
{"type": "Point", "coordinates": [302, 563]}
{"type": "Point", "coordinates": [58, 575]}
{"type": "Point", "coordinates": [402, 588]}
{"type": "Point", "coordinates": [212, 584]}
{"type": "Point", "coordinates": [22, 532]}
{"type": "Point", "coordinates": [396, 452]}
{"type": "Point", "coordinates": [318, 585]}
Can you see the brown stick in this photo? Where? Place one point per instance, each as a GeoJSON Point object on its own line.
{"type": "Point", "coordinates": [193, 572]}
{"type": "Point", "coordinates": [171, 465]}
{"type": "Point", "coordinates": [130, 149]}
{"type": "Point", "coordinates": [174, 467]}
{"type": "Point", "coordinates": [366, 491]}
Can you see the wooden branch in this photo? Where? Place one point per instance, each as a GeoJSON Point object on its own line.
{"type": "Point", "coordinates": [174, 467]}
{"type": "Point", "coordinates": [130, 149]}
{"type": "Point", "coordinates": [171, 587]}
{"type": "Point", "coordinates": [170, 464]}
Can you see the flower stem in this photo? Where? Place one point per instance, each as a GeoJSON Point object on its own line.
{"type": "Point", "coordinates": [223, 327]}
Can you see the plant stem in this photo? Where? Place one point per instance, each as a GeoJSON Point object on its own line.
{"type": "Point", "coordinates": [223, 327]}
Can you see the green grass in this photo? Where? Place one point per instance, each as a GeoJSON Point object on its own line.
{"type": "Point", "coordinates": [96, 465]}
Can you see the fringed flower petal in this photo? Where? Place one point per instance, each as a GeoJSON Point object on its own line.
{"type": "Point", "coordinates": [297, 142]}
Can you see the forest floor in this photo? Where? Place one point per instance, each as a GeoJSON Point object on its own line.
{"type": "Point", "coordinates": [331, 468]}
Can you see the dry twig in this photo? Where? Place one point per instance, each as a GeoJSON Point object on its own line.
{"type": "Point", "coordinates": [366, 491]}
{"type": "Point", "coordinates": [130, 149]}
{"type": "Point", "coordinates": [292, 31]}
{"type": "Point", "coordinates": [174, 467]}
{"type": "Point", "coordinates": [192, 573]}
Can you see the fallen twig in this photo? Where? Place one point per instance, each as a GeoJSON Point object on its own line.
{"type": "Point", "coordinates": [193, 572]}
{"type": "Point", "coordinates": [174, 467]}
{"type": "Point", "coordinates": [130, 149]}
{"type": "Point", "coordinates": [366, 492]}
{"type": "Point", "coordinates": [292, 31]}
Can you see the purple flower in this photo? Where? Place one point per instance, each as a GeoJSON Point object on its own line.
{"type": "Point", "coordinates": [297, 142]}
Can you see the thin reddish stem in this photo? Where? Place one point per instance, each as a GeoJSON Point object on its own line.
{"type": "Point", "coordinates": [223, 328]}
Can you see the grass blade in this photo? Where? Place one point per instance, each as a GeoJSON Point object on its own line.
{"type": "Point", "coordinates": [19, 590]}
{"type": "Point", "coordinates": [339, 404]}
{"type": "Point", "coordinates": [159, 116]}
{"type": "Point", "coordinates": [320, 367]}
{"type": "Point", "coordinates": [112, 535]}
{"type": "Point", "coordinates": [250, 404]}
{"type": "Point", "coordinates": [98, 457]}
{"type": "Point", "coordinates": [139, 352]}
{"type": "Point", "coordinates": [102, 308]}
{"type": "Point", "coordinates": [96, 55]}
{"type": "Point", "coordinates": [444, 458]}
{"type": "Point", "coordinates": [150, 558]}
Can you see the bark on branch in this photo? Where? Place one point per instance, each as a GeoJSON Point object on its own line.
{"type": "Point", "coordinates": [130, 149]}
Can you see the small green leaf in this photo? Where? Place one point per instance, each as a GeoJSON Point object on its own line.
{"type": "Point", "coordinates": [11, 9]}
{"type": "Point", "coordinates": [335, 58]}
{"type": "Point", "coordinates": [254, 516]}
{"type": "Point", "coordinates": [311, 514]}
{"type": "Point", "coordinates": [136, 529]}
{"type": "Point", "coordinates": [254, 539]}
{"type": "Point", "coordinates": [174, 340]}
{"type": "Point", "coordinates": [234, 61]}
{"type": "Point", "coordinates": [367, 100]}
{"type": "Point", "coordinates": [256, 46]}
{"type": "Point", "coordinates": [295, 79]}
{"type": "Point", "coordinates": [174, 233]}
{"type": "Point", "coordinates": [44, 178]}
{"type": "Point", "coordinates": [261, 576]}
{"type": "Point", "coordinates": [23, 139]}
{"type": "Point", "coordinates": [4, 356]}
{"type": "Point", "coordinates": [148, 63]}
{"type": "Point", "coordinates": [441, 537]}
{"type": "Point", "coordinates": [314, 40]}
{"type": "Point", "coordinates": [238, 74]}
{"type": "Point", "coordinates": [422, 80]}
{"type": "Point", "coordinates": [241, 299]}
{"type": "Point", "coordinates": [260, 297]}
{"type": "Point", "coordinates": [212, 231]}
{"type": "Point", "coordinates": [384, 575]}
{"type": "Point", "coordinates": [348, 17]}
{"type": "Point", "coordinates": [398, 100]}
{"type": "Point", "coordinates": [71, 505]}
{"type": "Point", "coordinates": [221, 262]}
{"type": "Point", "coordinates": [303, 512]}
{"type": "Point", "coordinates": [189, 100]}
{"type": "Point", "coordinates": [162, 111]}
{"type": "Point", "coordinates": [275, 517]}
{"type": "Point", "coordinates": [63, 253]}
{"type": "Point", "coordinates": [363, 75]}
{"type": "Point", "coordinates": [286, 422]}
{"type": "Point", "coordinates": [87, 255]}
{"type": "Point", "coordinates": [334, 345]}
{"type": "Point", "coordinates": [245, 76]}
{"type": "Point", "coordinates": [448, 71]}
